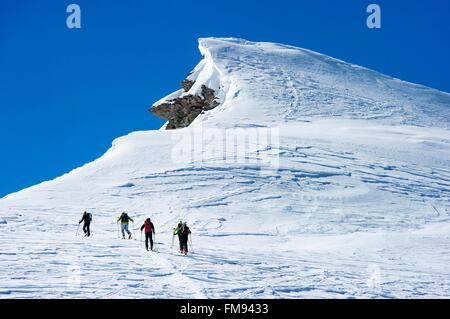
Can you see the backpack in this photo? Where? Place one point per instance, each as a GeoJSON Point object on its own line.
{"type": "Point", "coordinates": [185, 231]}
{"type": "Point", "coordinates": [89, 217]}
{"type": "Point", "coordinates": [125, 218]}
{"type": "Point", "coordinates": [177, 230]}
{"type": "Point", "coordinates": [148, 226]}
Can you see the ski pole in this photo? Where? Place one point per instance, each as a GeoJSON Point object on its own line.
{"type": "Point", "coordinates": [134, 233]}
{"type": "Point", "coordinates": [77, 229]}
{"type": "Point", "coordinates": [154, 240]}
{"type": "Point", "coordinates": [118, 235]}
{"type": "Point", "coordinates": [192, 246]}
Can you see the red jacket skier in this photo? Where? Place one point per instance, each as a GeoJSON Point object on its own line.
{"type": "Point", "coordinates": [148, 228]}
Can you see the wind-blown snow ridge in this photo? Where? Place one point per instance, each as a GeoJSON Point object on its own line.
{"type": "Point", "coordinates": [266, 83]}
{"type": "Point", "coordinates": [358, 205]}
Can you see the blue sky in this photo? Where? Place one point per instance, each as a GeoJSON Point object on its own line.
{"type": "Point", "coordinates": [66, 94]}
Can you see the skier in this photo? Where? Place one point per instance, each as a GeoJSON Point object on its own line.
{"type": "Point", "coordinates": [149, 229]}
{"type": "Point", "coordinates": [87, 218]}
{"type": "Point", "coordinates": [124, 219]}
{"type": "Point", "coordinates": [177, 232]}
{"type": "Point", "coordinates": [184, 237]}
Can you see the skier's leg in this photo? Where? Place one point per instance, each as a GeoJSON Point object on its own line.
{"type": "Point", "coordinates": [181, 244]}
{"type": "Point", "coordinates": [123, 230]}
{"type": "Point", "coordinates": [146, 241]}
{"type": "Point", "coordinates": [128, 232]}
{"type": "Point", "coordinates": [184, 250]}
{"type": "Point", "coordinates": [88, 228]}
{"type": "Point", "coordinates": [151, 240]}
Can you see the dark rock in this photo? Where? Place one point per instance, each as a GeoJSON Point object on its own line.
{"type": "Point", "coordinates": [182, 111]}
{"type": "Point", "coordinates": [209, 98]}
{"type": "Point", "coordinates": [187, 84]}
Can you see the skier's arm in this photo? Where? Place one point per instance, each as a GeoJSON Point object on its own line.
{"type": "Point", "coordinates": [142, 227]}
{"type": "Point", "coordinates": [131, 219]}
{"type": "Point", "coordinates": [153, 227]}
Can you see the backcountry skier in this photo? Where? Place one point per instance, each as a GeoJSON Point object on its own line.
{"type": "Point", "coordinates": [177, 232]}
{"type": "Point", "coordinates": [124, 220]}
{"type": "Point", "coordinates": [148, 228]}
{"type": "Point", "coordinates": [86, 218]}
{"type": "Point", "coordinates": [183, 235]}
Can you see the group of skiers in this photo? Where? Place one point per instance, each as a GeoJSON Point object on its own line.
{"type": "Point", "coordinates": [181, 230]}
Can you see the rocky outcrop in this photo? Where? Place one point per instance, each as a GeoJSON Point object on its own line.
{"type": "Point", "coordinates": [187, 84]}
{"type": "Point", "coordinates": [182, 111]}
{"type": "Point", "coordinates": [209, 98]}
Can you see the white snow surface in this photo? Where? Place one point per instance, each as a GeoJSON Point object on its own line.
{"type": "Point", "coordinates": [356, 207]}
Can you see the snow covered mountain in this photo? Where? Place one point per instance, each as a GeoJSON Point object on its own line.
{"type": "Point", "coordinates": [299, 174]}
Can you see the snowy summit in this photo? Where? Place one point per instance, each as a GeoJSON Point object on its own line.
{"type": "Point", "coordinates": [299, 175]}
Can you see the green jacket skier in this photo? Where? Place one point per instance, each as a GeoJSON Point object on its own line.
{"type": "Point", "coordinates": [124, 220]}
{"type": "Point", "coordinates": [183, 232]}
{"type": "Point", "coordinates": [177, 232]}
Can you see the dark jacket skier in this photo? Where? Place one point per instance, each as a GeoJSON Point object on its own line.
{"type": "Point", "coordinates": [184, 238]}
{"type": "Point", "coordinates": [87, 218]}
{"type": "Point", "coordinates": [148, 228]}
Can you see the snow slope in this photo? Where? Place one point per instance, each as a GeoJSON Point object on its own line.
{"type": "Point", "coordinates": [349, 199]}
{"type": "Point", "coordinates": [267, 83]}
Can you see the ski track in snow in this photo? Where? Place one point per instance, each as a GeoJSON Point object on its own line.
{"type": "Point", "coordinates": [358, 206]}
